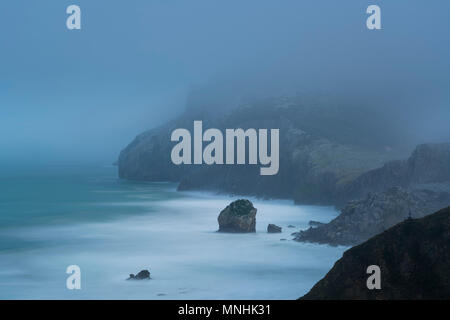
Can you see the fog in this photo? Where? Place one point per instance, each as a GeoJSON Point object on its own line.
{"type": "Point", "coordinates": [82, 95]}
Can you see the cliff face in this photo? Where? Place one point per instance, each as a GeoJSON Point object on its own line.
{"type": "Point", "coordinates": [385, 196]}
{"type": "Point", "coordinates": [322, 149]}
{"type": "Point", "coordinates": [147, 157]}
{"type": "Point", "coordinates": [329, 154]}
{"type": "Point", "coordinates": [427, 168]}
{"type": "Point", "coordinates": [413, 256]}
{"type": "Point", "coordinates": [361, 219]}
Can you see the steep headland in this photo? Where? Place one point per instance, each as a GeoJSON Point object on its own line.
{"type": "Point", "coordinates": [323, 147]}
{"type": "Point", "coordinates": [414, 260]}
{"type": "Point", "coordinates": [361, 219]}
{"type": "Point", "coordinates": [428, 167]}
{"type": "Point", "coordinates": [385, 196]}
{"type": "Point", "coordinates": [330, 154]}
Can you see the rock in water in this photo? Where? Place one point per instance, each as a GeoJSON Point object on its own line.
{"type": "Point", "coordinates": [239, 216]}
{"type": "Point", "coordinates": [144, 274]}
{"type": "Point", "coordinates": [272, 228]}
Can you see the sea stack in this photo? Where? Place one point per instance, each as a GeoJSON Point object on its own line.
{"type": "Point", "coordinates": [273, 228]}
{"type": "Point", "coordinates": [239, 217]}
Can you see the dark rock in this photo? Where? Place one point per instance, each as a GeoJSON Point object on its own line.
{"type": "Point", "coordinates": [144, 274]}
{"type": "Point", "coordinates": [413, 256]}
{"type": "Point", "coordinates": [272, 228]}
{"type": "Point", "coordinates": [239, 216]}
{"type": "Point", "coordinates": [362, 219]}
{"type": "Point", "coordinates": [314, 224]}
{"type": "Point", "coordinates": [291, 226]}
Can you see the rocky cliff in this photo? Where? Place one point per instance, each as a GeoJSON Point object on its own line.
{"type": "Point", "coordinates": [414, 260]}
{"type": "Point", "coordinates": [361, 219]}
{"type": "Point", "coordinates": [329, 154]}
{"type": "Point", "coordinates": [385, 196]}
{"type": "Point", "coordinates": [428, 167]}
{"type": "Point", "coordinates": [323, 147]}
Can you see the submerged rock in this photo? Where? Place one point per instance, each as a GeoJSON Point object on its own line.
{"type": "Point", "coordinates": [272, 228]}
{"type": "Point", "coordinates": [144, 274]}
{"type": "Point", "coordinates": [239, 216]}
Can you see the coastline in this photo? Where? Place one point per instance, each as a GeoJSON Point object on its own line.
{"type": "Point", "coordinates": [173, 234]}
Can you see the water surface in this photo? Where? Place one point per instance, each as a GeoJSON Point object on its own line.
{"type": "Point", "coordinates": [58, 216]}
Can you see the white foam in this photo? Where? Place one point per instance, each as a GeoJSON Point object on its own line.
{"type": "Point", "coordinates": [177, 241]}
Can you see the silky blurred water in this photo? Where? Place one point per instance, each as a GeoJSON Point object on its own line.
{"type": "Point", "coordinates": [58, 216]}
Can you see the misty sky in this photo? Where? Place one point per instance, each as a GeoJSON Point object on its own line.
{"type": "Point", "coordinates": [83, 95]}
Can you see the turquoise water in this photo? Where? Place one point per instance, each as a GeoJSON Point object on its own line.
{"type": "Point", "coordinates": [57, 195]}
{"type": "Point", "coordinates": [53, 217]}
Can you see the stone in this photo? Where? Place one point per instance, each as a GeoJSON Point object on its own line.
{"type": "Point", "coordinates": [272, 228]}
{"type": "Point", "coordinates": [239, 217]}
{"type": "Point", "coordinates": [144, 274]}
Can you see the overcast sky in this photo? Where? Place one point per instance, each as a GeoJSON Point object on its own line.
{"type": "Point", "coordinates": [82, 95]}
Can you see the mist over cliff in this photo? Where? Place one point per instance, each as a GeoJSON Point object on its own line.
{"type": "Point", "coordinates": [84, 95]}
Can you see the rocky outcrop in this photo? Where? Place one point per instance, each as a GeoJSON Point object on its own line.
{"type": "Point", "coordinates": [420, 184]}
{"type": "Point", "coordinates": [414, 260]}
{"type": "Point", "coordinates": [239, 216]}
{"type": "Point", "coordinates": [272, 228]}
{"type": "Point", "coordinates": [147, 157]}
{"type": "Point", "coordinates": [362, 219]}
{"type": "Point", "coordinates": [428, 167]}
{"type": "Point", "coordinates": [144, 274]}
{"type": "Point", "coordinates": [329, 154]}
{"type": "Point", "coordinates": [314, 224]}
{"type": "Point", "coordinates": [319, 153]}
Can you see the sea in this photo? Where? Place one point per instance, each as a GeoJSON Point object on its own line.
{"type": "Point", "coordinates": [53, 217]}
